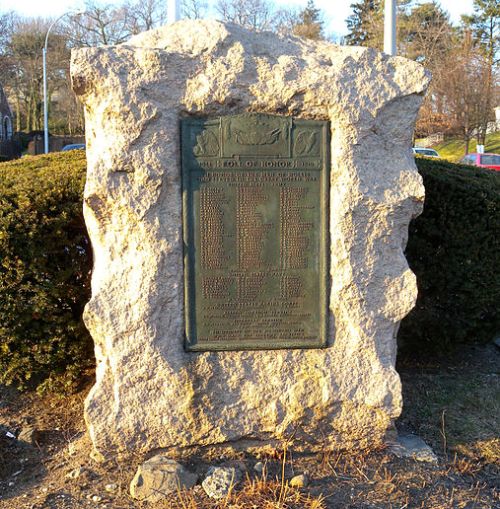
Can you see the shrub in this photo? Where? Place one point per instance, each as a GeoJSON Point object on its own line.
{"type": "Point", "coordinates": [45, 264]}
{"type": "Point", "coordinates": [454, 249]}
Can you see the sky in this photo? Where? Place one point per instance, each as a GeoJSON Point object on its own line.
{"type": "Point", "coordinates": [335, 11]}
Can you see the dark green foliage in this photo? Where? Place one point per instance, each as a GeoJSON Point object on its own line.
{"type": "Point", "coordinates": [454, 249]}
{"type": "Point", "coordinates": [45, 264]}
{"type": "Point", "coordinates": [360, 22]}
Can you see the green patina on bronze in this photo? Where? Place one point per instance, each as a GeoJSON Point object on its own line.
{"type": "Point", "coordinates": [255, 208]}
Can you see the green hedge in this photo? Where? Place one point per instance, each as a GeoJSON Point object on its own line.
{"type": "Point", "coordinates": [454, 249]}
{"type": "Point", "coordinates": [45, 264]}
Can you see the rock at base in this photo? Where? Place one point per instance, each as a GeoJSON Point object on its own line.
{"type": "Point", "coordinates": [259, 467]}
{"type": "Point", "coordinates": [219, 480]}
{"type": "Point", "coordinates": [496, 341]}
{"type": "Point", "coordinates": [299, 481]}
{"type": "Point", "coordinates": [411, 446]}
{"type": "Point", "coordinates": [158, 477]}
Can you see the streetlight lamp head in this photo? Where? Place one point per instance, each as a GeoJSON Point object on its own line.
{"type": "Point", "coordinates": [44, 60]}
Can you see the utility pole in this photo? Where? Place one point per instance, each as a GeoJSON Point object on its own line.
{"type": "Point", "coordinates": [390, 27]}
{"type": "Point", "coordinates": [173, 11]}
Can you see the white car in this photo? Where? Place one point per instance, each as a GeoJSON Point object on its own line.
{"type": "Point", "coordinates": [427, 152]}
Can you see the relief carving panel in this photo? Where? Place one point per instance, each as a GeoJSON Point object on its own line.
{"type": "Point", "coordinates": [255, 191]}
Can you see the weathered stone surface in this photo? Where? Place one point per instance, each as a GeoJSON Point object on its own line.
{"type": "Point", "coordinates": [496, 341]}
{"type": "Point", "coordinates": [412, 446]}
{"type": "Point", "coordinates": [259, 467]}
{"type": "Point", "coordinates": [158, 477]}
{"type": "Point", "coordinates": [219, 480]}
{"type": "Point", "coordinates": [149, 392]}
{"type": "Point", "coordinates": [299, 481]}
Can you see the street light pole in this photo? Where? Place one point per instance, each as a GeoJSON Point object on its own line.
{"type": "Point", "coordinates": [390, 27]}
{"type": "Point", "coordinates": [44, 62]}
{"type": "Point", "coordinates": [45, 109]}
{"type": "Point", "coordinates": [173, 11]}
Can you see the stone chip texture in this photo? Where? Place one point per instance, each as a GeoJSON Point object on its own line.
{"type": "Point", "coordinates": [219, 481]}
{"type": "Point", "coordinates": [149, 392]}
{"type": "Point", "coordinates": [412, 446]}
{"type": "Point", "coordinates": [159, 476]}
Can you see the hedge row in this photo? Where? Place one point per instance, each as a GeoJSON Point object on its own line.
{"type": "Point", "coordinates": [454, 249]}
{"type": "Point", "coordinates": [45, 264]}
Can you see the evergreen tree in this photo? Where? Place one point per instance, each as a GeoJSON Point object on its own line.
{"type": "Point", "coordinates": [366, 15]}
{"type": "Point", "coordinates": [366, 23]}
{"type": "Point", "coordinates": [485, 27]}
{"type": "Point", "coordinates": [309, 23]}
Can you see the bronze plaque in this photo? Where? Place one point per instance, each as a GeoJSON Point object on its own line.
{"type": "Point", "coordinates": [255, 207]}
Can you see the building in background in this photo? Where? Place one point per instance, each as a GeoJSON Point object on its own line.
{"type": "Point", "coordinates": [9, 147]}
{"type": "Point", "coordinates": [6, 120]}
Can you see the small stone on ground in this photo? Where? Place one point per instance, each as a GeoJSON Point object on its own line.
{"type": "Point", "coordinates": [411, 446]}
{"type": "Point", "coordinates": [158, 477]}
{"type": "Point", "coordinates": [299, 481]}
{"type": "Point", "coordinates": [219, 480]}
{"type": "Point", "coordinates": [259, 467]}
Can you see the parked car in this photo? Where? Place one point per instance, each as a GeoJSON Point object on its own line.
{"type": "Point", "coordinates": [482, 160]}
{"type": "Point", "coordinates": [73, 146]}
{"type": "Point", "coordinates": [427, 152]}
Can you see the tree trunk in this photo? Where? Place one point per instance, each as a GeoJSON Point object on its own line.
{"type": "Point", "coordinates": [18, 113]}
{"type": "Point", "coordinates": [466, 138]}
{"type": "Point", "coordinates": [28, 114]}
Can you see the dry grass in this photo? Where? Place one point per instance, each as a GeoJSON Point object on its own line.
{"type": "Point", "coordinates": [454, 407]}
{"type": "Point", "coordinates": [457, 410]}
{"type": "Point", "coordinates": [254, 493]}
{"type": "Point", "coordinates": [257, 493]}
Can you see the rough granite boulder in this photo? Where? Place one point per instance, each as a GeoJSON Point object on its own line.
{"type": "Point", "coordinates": [150, 393]}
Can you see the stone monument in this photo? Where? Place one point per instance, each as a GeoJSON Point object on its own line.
{"type": "Point", "coordinates": [248, 199]}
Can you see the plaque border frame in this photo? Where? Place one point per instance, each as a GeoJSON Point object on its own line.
{"type": "Point", "coordinates": [325, 244]}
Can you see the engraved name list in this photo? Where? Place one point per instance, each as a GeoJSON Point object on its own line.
{"type": "Point", "coordinates": [255, 195]}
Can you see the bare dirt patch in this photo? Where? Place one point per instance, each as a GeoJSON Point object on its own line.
{"type": "Point", "coordinates": [453, 403]}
